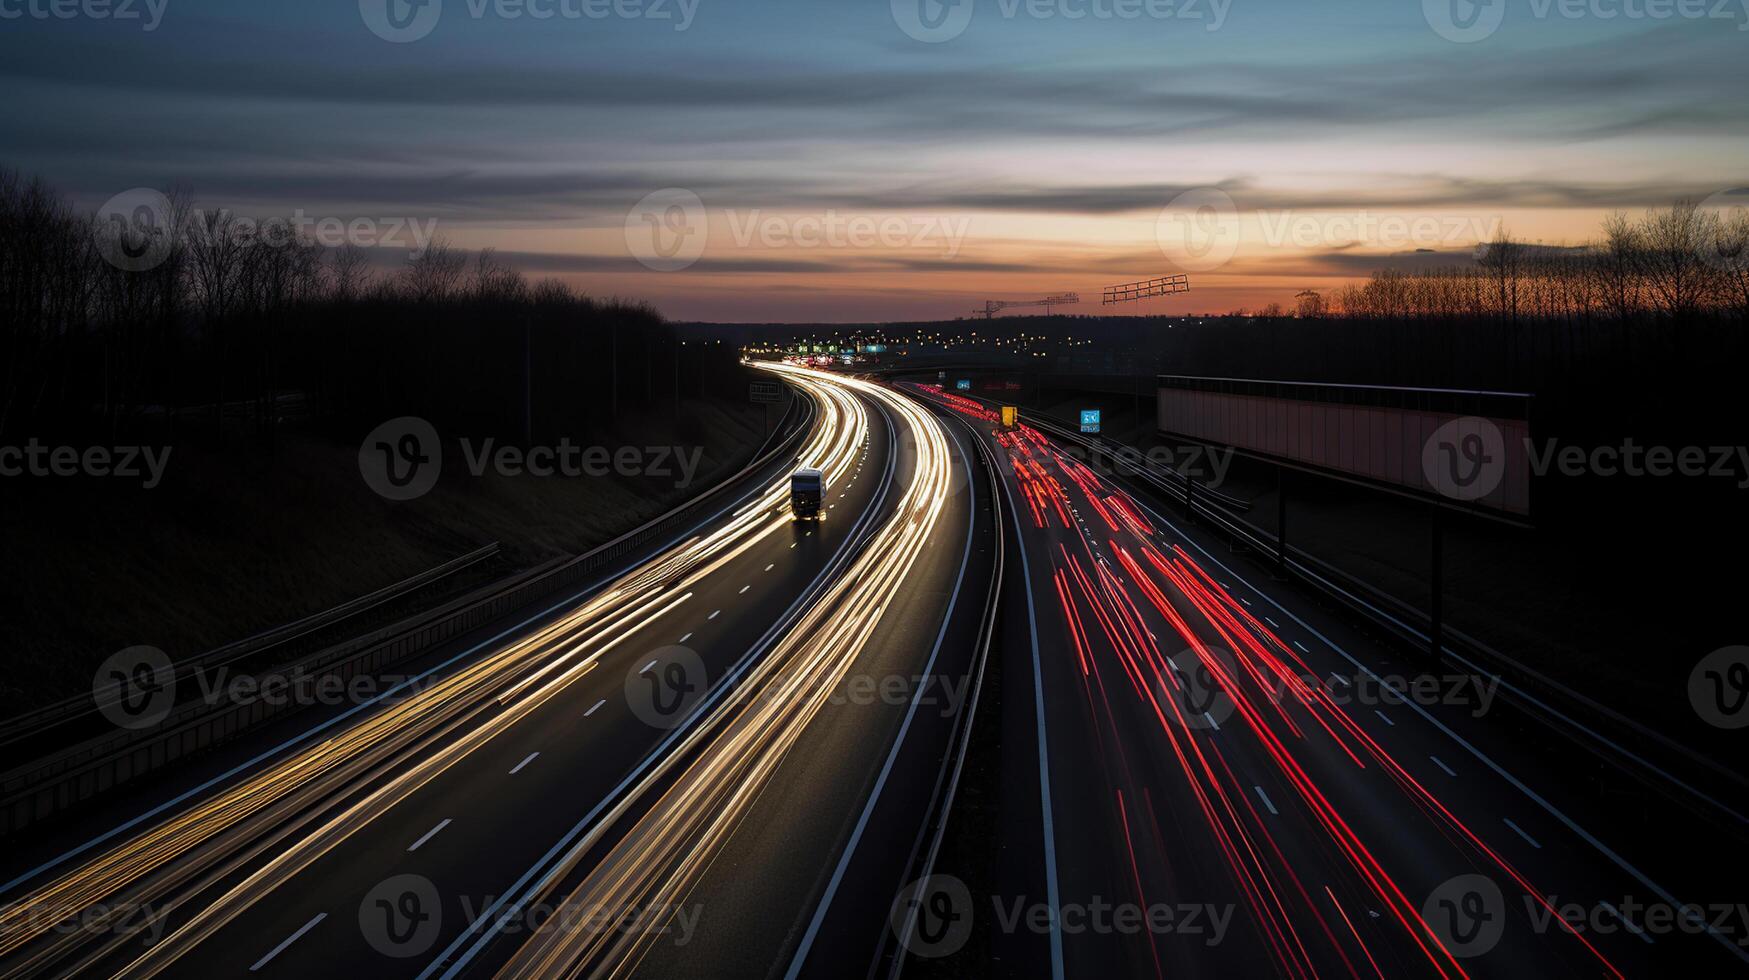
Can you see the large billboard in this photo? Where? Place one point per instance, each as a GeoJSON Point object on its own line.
{"type": "Point", "coordinates": [1470, 448]}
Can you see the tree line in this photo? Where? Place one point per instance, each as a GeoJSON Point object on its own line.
{"type": "Point", "coordinates": [194, 323]}
{"type": "Point", "coordinates": [1668, 267]}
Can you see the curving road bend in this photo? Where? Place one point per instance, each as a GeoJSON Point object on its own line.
{"type": "Point", "coordinates": [396, 838]}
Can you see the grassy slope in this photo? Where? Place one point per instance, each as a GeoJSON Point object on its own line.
{"type": "Point", "coordinates": [229, 546]}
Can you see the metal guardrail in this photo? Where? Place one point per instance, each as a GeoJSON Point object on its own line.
{"type": "Point", "coordinates": [35, 723]}
{"type": "Point", "coordinates": [953, 762]}
{"type": "Point", "coordinates": [1532, 689]}
{"type": "Point", "coordinates": [48, 786]}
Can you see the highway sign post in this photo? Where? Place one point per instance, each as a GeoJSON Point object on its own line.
{"type": "Point", "coordinates": [766, 393]}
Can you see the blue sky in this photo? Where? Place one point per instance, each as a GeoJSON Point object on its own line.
{"type": "Point", "coordinates": [1044, 145]}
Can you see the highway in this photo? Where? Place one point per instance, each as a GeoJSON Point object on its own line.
{"type": "Point", "coordinates": [1201, 749]}
{"type": "Point", "coordinates": [1101, 744]}
{"type": "Point", "coordinates": [612, 748]}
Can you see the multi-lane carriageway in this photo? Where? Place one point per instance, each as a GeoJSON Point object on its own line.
{"type": "Point", "coordinates": [1215, 750]}
{"type": "Point", "coordinates": [619, 749]}
{"type": "Point", "coordinates": [730, 757]}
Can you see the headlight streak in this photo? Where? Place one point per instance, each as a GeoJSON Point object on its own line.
{"type": "Point", "coordinates": [1092, 594]}
{"type": "Point", "coordinates": [664, 852]}
{"type": "Point", "coordinates": [172, 863]}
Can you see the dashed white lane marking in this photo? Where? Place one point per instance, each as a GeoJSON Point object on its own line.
{"type": "Point", "coordinates": [1272, 623]}
{"type": "Point", "coordinates": [1384, 717]}
{"type": "Point", "coordinates": [1302, 647]}
{"type": "Point", "coordinates": [519, 765]}
{"type": "Point", "coordinates": [792, 545]}
{"type": "Point", "coordinates": [1520, 832]}
{"type": "Point", "coordinates": [595, 708]}
{"type": "Point", "coordinates": [744, 589]}
{"type": "Point", "coordinates": [1212, 724]}
{"type": "Point", "coordinates": [428, 835]}
{"type": "Point", "coordinates": [771, 566]}
{"type": "Point", "coordinates": [294, 937]}
{"type": "Point", "coordinates": [686, 637]}
{"type": "Point", "coordinates": [647, 667]}
{"type": "Point", "coordinates": [1265, 798]}
{"type": "Point", "coordinates": [1442, 765]}
{"type": "Point", "coordinates": [1245, 600]}
{"type": "Point", "coordinates": [1338, 678]}
{"type": "Point", "coordinates": [714, 615]}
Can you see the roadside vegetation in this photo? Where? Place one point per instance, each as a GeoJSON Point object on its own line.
{"type": "Point", "coordinates": [260, 361]}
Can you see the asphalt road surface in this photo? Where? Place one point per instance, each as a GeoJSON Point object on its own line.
{"type": "Point", "coordinates": [1203, 774]}
{"type": "Point", "coordinates": [614, 746]}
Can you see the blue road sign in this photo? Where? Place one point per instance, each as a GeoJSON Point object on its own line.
{"type": "Point", "coordinates": [1090, 420]}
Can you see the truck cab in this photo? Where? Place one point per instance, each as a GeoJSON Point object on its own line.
{"type": "Point", "coordinates": [807, 494]}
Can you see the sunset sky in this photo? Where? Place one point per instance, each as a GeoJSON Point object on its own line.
{"type": "Point", "coordinates": [1010, 154]}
